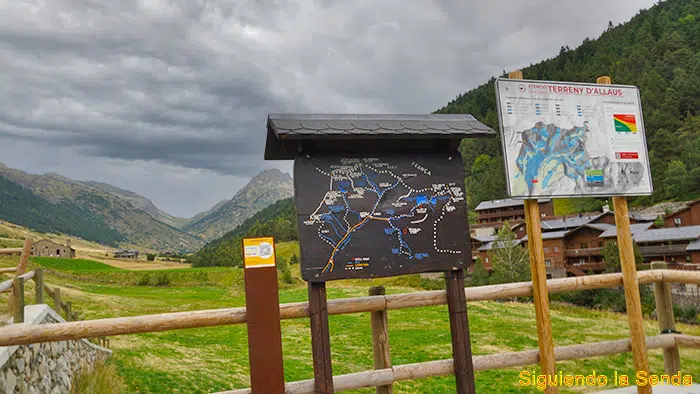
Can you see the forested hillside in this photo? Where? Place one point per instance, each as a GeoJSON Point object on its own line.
{"type": "Point", "coordinates": [63, 217]}
{"type": "Point", "coordinates": [277, 220]}
{"type": "Point", "coordinates": [659, 51]}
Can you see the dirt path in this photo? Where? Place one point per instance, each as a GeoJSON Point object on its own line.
{"type": "Point", "coordinates": [138, 265]}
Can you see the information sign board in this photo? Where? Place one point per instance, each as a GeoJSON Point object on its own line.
{"type": "Point", "coordinates": [572, 139]}
{"type": "Point", "coordinates": [362, 217]}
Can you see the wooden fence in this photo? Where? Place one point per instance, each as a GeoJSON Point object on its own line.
{"type": "Point", "coordinates": [381, 304]}
{"type": "Point", "coordinates": [16, 287]}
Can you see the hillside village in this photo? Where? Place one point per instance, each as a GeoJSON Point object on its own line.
{"type": "Point", "coordinates": [573, 244]}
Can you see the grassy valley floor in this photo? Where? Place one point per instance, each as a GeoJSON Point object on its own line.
{"type": "Point", "coordinates": [215, 359]}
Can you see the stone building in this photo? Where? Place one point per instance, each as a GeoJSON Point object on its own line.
{"type": "Point", "coordinates": [47, 248]}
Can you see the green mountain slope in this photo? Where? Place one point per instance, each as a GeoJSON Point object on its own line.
{"type": "Point", "coordinates": [140, 202]}
{"type": "Point", "coordinates": [63, 217]}
{"type": "Point", "coordinates": [263, 189]}
{"type": "Point", "coordinates": [82, 205]}
{"type": "Point", "coordinates": [657, 50]}
{"type": "Point", "coordinates": [277, 220]}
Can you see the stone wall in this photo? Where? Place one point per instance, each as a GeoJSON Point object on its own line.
{"type": "Point", "coordinates": [45, 367]}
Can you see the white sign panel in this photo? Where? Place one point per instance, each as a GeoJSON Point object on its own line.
{"type": "Point", "coordinates": [572, 139]}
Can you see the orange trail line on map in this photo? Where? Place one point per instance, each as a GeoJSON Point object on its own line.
{"type": "Point", "coordinates": [330, 263]}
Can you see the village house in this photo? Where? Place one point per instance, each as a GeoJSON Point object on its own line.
{"type": "Point", "coordinates": [126, 254]}
{"type": "Point", "coordinates": [47, 248]}
{"type": "Point", "coordinates": [492, 214]}
{"type": "Point", "coordinates": [688, 216]}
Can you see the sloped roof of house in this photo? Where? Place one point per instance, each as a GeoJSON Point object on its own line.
{"type": "Point", "coordinates": [506, 202]}
{"type": "Point", "coordinates": [634, 229]}
{"type": "Point", "coordinates": [484, 238]}
{"type": "Point", "coordinates": [695, 245]}
{"type": "Point", "coordinates": [563, 223]}
{"type": "Point", "coordinates": [668, 234]}
{"type": "Point", "coordinates": [491, 245]}
{"type": "Point", "coordinates": [552, 235]}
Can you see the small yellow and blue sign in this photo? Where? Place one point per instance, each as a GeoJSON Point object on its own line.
{"type": "Point", "coordinates": [258, 252]}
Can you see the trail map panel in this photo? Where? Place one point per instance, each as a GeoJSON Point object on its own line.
{"type": "Point", "coordinates": [362, 217]}
{"type": "Point", "coordinates": [572, 139]}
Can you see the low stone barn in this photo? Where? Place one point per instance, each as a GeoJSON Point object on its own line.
{"type": "Point", "coordinates": [47, 248]}
{"type": "Point", "coordinates": [126, 254]}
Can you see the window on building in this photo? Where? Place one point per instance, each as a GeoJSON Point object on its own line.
{"type": "Point", "coordinates": [581, 260]}
{"type": "Point", "coordinates": [546, 249]}
{"type": "Point", "coordinates": [487, 259]}
{"type": "Point", "coordinates": [547, 263]}
{"type": "Point", "coordinates": [58, 252]}
{"type": "Point", "coordinates": [584, 245]}
{"type": "Point", "coordinates": [556, 248]}
{"type": "Point", "coordinates": [687, 258]}
{"type": "Point", "coordinates": [677, 221]}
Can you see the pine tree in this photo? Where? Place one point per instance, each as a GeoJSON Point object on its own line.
{"type": "Point", "coordinates": [510, 261]}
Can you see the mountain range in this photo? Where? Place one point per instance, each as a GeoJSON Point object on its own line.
{"type": "Point", "coordinates": [100, 212]}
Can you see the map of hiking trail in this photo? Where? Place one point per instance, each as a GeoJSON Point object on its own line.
{"type": "Point", "coordinates": [572, 140]}
{"type": "Point", "coordinates": [372, 217]}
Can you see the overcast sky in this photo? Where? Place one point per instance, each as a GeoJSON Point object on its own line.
{"type": "Point", "coordinates": [169, 98]}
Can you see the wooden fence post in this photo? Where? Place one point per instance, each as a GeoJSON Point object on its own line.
{"type": "Point", "coordinates": [24, 257]}
{"type": "Point", "coordinates": [18, 300]}
{"type": "Point", "coordinates": [57, 300]}
{"type": "Point", "coordinates": [380, 339]}
{"type": "Point", "coordinates": [68, 308]}
{"type": "Point", "coordinates": [666, 319]}
{"type": "Point", "coordinates": [39, 285]}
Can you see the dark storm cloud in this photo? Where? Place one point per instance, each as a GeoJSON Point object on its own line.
{"type": "Point", "coordinates": [189, 83]}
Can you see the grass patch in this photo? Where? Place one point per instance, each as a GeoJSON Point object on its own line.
{"type": "Point", "coordinates": [72, 265]}
{"type": "Point", "coordinates": [103, 378]}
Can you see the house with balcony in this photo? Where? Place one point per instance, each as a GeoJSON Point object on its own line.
{"type": "Point", "coordinates": [493, 213]}
{"type": "Point", "coordinates": [677, 246]}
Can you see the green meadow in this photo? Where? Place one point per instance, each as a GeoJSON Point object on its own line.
{"type": "Point", "coordinates": [215, 359]}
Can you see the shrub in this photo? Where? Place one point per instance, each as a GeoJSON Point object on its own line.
{"type": "Point", "coordinates": [285, 273]}
{"type": "Point", "coordinates": [151, 256]}
{"type": "Point", "coordinates": [144, 280]}
{"type": "Point", "coordinates": [162, 279]}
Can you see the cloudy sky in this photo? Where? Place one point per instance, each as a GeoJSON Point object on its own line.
{"type": "Point", "coordinates": [169, 98]}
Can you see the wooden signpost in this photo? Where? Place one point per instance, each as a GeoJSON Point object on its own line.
{"type": "Point", "coordinates": [539, 283]}
{"type": "Point", "coordinates": [628, 267]}
{"type": "Point", "coordinates": [262, 316]}
{"type": "Point", "coordinates": [545, 129]}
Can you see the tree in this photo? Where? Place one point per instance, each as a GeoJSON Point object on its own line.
{"type": "Point", "coordinates": [294, 259]}
{"type": "Point", "coordinates": [611, 256]}
{"type": "Point", "coordinates": [676, 181]}
{"type": "Point", "coordinates": [510, 261]}
{"type": "Point", "coordinates": [150, 256]}
{"type": "Point", "coordinates": [480, 276]}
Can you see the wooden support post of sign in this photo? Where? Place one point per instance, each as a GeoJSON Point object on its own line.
{"type": "Point", "coordinates": [263, 316]}
{"type": "Point", "coordinates": [629, 281]}
{"type": "Point", "coordinates": [459, 329]}
{"type": "Point", "coordinates": [539, 282]}
{"type": "Point", "coordinates": [380, 339]}
{"type": "Point", "coordinates": [320, 338]}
